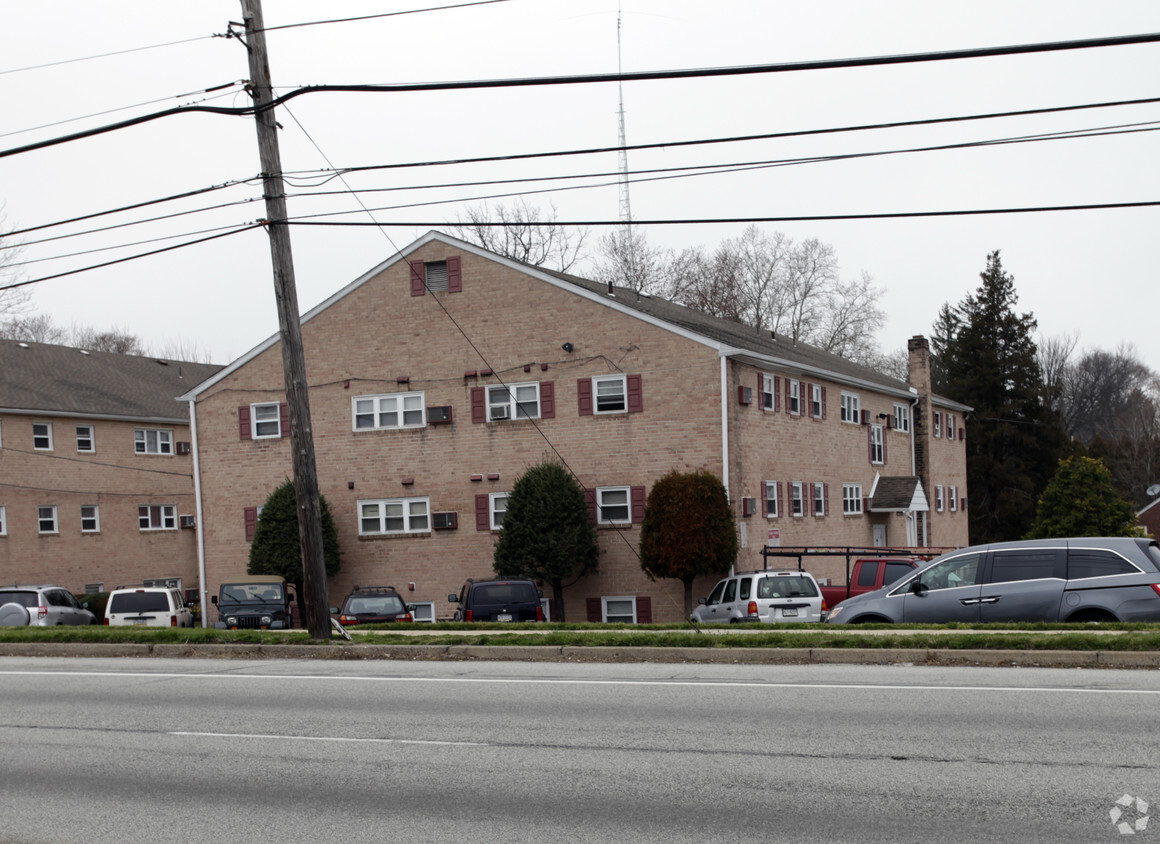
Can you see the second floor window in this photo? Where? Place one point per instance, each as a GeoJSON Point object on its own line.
{"type": "Point", "coordinates": [613, 506]}
{"type": "Point", "coordinates": [266, 421]}
{"type": "Point", "coordinates": [611, 394]}
{"type": "Point", "coordinates": [42, 436]}
{"type": "Point", "coordinates": [90, 518]}
{"type": "Point", "coordinates": [515, 401]}
{"type": "Point", "coordinates": [771, 502]}
{"type": "Point", "coordinates": [797, 498]}
{"type": "Point", "coordinates": [819, 499]}
{"type": "Point", "coordinates": [85, 441]}
{"type": "Point", "coordinates": [46, 520]}
{"type": "Point", "coordinates": [157, 517]}
{"type": "Point", "coordinates": [902, 417]}
{"type": "Point", "coordinates": [396, 410]}
{"type": "Point", "coordinates": [793, 396]}
{"type": "Point", "coordinates": [497, 506]}
{"type": "Point", "coordinates": [152, 441]}
{"type": "Point", "coordinates": [851, 499]}
{"type": "Point", "coordinates": [877, 449]}
{"type": "Point", "coordinates": [851, 408]}
{"type": "Point", "coordinates": [817, 401]}
{"type": "Point", "coordinates": [397, 515]}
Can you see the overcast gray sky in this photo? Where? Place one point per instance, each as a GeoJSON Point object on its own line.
{"type": "Point", "coordinates": [1091, 273]}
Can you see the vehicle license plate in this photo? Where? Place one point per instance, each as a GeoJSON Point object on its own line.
{"type": "Point", "coordinates": [503, 616]}
{"type": "Point", "coordinates": [789, 613]}
{"type": "Point", "coordinates": [137, 621]}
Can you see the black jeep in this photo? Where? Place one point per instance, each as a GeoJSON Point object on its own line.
{"type": "Point", "coordinates": [257, 603]}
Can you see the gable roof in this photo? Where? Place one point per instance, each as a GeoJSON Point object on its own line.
{"type": "Point", "coordinates": [40, 378]}
{"type": "Point", "coordinates": [758, 347]}
{"type": "Point", "coordinates": [898, 494]}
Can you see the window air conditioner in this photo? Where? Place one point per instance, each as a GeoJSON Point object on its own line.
{"type": "Point", "coordinates": [499, 411]}
{"type": "Point", "coordinates": [187, 521]}
{"type": "Point", "coordinates": [441, 413]}
{"type": "Point", "coordinates": [445, 521]}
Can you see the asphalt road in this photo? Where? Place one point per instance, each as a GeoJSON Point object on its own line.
{"type": "Point", "coordinates": [220, 750]}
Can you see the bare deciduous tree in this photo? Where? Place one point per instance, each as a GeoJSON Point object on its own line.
{"type": "Point", "coordinates": [523, 232]}
{"type": "Point", "coordinates": [13, 300]}
{"type": "Point", "coordinates": [628, 260]}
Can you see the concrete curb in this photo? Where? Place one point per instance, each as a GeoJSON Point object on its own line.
{"type": "Point", "coordinates": [555, 653]}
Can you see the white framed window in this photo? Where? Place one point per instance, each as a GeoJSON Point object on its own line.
{"type": "Point", "coordinates": [610, 394]}
{"type": "Point", "coordinates": [937, 424]}
{"type": "Point", "coordinates": [266, 421]}
{"type": "Point", "coordinates": [620, 609]}
{"type": "Point", "coordinates": [3, 521]}
{"type": "Point", "coordinates": [852, 499]}
{"type": "Point", "coordinates": [496, 507]}
{"type": "Point", "coordinates": [90, 518]}
{"type": "Point", "coordinates": [877, 450]}
{"type": "Point", "coordinates": [394, 516]}
{"type": "Point", "coordinates": [613, 505]}
{"type": "Point", "coordinates": [42, 436]}
{"type": "Point", "coordinates": [389, 412]}
{"type": "Point", "coordinates": [515, 401]}
{"type": "Point", "coordinates": [902, 417]}
{"type": "Point", "coordinates": [46, 520]}
{"type": "Point", "coordinates": [952, 496]}
{"type": "Point", "coordinates": [819, 499]}
{"type": "Point", "coordinates": [851, 408]}
{"type": "Point", "coordinates": [768, 392]}
{"type": "Point", "coordinates": [817, 402]}
{"type": "Point", "coordinates": [157, 517]}
{"type": "Point", "coordinates": [793, 396]}
{"type": "Point", "coordinates": [771, 502]}
{"type": "Point", "coordinates": [797, 499]}
{"type": "Point", "coordinates": [950, 426]}
{"type": "Point", "coordinates": [86, 440]}
{"type": "Point", "coordinates": [152, 441]}
{"type": "Point", "coordinates": [938, 498]}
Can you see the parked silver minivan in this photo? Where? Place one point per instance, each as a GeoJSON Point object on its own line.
{"type": "Point", "coordinates": [1080, 579]}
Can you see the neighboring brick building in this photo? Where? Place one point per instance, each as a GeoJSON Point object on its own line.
{"type": "Point", "coordinates": [1149, 518]}
{"type": "Point", "coordinates": [419, 369]}
{"type": "Point", "coordinates": [96, 472]}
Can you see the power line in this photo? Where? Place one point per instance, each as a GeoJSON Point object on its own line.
{"type": "Point", "coordinates": [380, 15]}
{"type": "Point", "coordinates": [693, 73]}
{"type": "Point", "coordinates": [107, 55]}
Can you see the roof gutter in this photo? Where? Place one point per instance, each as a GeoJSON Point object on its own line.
{"type": "Point", "coordinates": [760, 360]}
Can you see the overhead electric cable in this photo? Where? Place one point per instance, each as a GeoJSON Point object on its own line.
{"type": "Point", "coordinates": [637, 76]}
{"type": "Point", "coordinates": [380, 15]}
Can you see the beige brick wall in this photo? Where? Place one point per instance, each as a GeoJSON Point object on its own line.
{"type": "Point", "coordinates": [113, 478]}
{"type": "Point", "coordinates": [364, 342]}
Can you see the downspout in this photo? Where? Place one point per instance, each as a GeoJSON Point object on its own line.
{"type": "Point", "coordinates": [725, 426]}
{"type": "Point", "coordinates": [199, 511]}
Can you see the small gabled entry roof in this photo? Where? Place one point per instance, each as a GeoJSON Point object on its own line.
{"type": "Point", "coordinates": [898, 494]}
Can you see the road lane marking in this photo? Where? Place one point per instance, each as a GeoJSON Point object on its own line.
{"type": "Point", "coordinates": [326, 738]}
{"type": "Point", "coordinates": [577, 682]}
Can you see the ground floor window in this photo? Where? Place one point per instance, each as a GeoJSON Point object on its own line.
{"type": "Point", "coordinates": [852, 499]}
{"type": "Point", "coordinates": [618, 609]}
{"type": "Point", "coordinates": [396, 515]}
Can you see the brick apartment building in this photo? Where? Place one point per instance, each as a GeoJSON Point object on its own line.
{"type": "Point", "coordinates": [96, 471]}
{"type": "Point", "coordinates": [439, 376]}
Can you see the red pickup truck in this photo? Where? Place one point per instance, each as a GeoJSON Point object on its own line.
{"type": "Point", "coordinates": [868, 574]}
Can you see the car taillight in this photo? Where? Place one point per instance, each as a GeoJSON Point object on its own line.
{"type": "Point", "coordinates": [825, 606]}
{"type": "Point", "coordinates": [41, 612]}
{"type": "Point", "coordinates": [407, 617]}
{"type": "Point", "coordinates": [539, 613]}
{"type": "Point", "coordinates": [1156, 588]}
{"type": "Point", "coordinates": [105, 622]}
{"type": "Point", "coordinates": [752, 611]}
{"type": "Point", "coordinates": [172, 621]}
{"type": "Point", "coordinates": [347, 620]}
{"type": "Point", "coordinates": [468, 615]}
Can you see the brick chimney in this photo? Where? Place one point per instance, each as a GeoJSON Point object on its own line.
{"type": "Point", "coordinates": [918, 374]}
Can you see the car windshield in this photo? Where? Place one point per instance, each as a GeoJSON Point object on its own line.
{"type": "Point", "coordinates": [252, 592]}
{"type": "Point", "coordinates": [25, 599]}
{"type": "Point", "coordinates": [504, 593]}
{"type": "Point", "coordinates": [786, 586]}
{"type": "Point", "coordinates": [375, 605]}
{"type": "Point", "coordinates": [136, 602]}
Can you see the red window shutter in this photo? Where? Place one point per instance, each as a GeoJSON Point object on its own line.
{"type": "Point", "coordinates": [284, 418]}
{"type": "Point", "coordinates": [963, 502]}
{"type": "Point", "coordinates": [593, 607]}
{"type": "Point", "coordinates": [865, 417]}
{"type": "Point", "coordinates": [962, 434]}
{"type": "Point", "coordinates": [787, 395]}
{"type": "Point", "coordinates": [761, 389]}
{"type": "Point", "coordinates": [823, 402]}
{"type": "Point", "coordinates": [590, 500]}
{"type": "Point", "coordinates": [547, 400]}
{"type": "Point", "coordinates": [865, 504]}
{"type": "Point", "coordinates": [418, 278]}
{"type": "Point", "coordinates": [244, 422]}
{"type": "Point", "coordinates": [584, 395]}
{"type": "Point", "coordinates": [482, 512]}
{"type": "Point", "coordinates": [635, 394]}
{"type": "Point", "coordinates": [776, 393]}
{"type": "Point", "coordinates": [251, 517]}
{"type": "Point", "coordinates": [454, 275]}
{"type": "Point", "coordinates": [637, 496]}
{"type": "Point", "coordinates": [826, 498]}
{"type": "Point", "coordinates": [643, 609]}
{"type": "Point", "coordinates": [478, 405]}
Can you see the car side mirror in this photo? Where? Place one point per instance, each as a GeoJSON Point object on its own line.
{"type": "Point", "coordinates": [334, 610]}
{"type": "Point", "coordinates": [917, 586]}
{"type": "Point", "coordinates": [213, 599]}
{"type": "Point", "coordinates": [453, 599]}
{"type": "Point", "coordinates": [410, 607]}
{"type": "Point", "coordinates": [702, 601]}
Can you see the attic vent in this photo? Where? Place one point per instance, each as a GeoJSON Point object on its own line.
{"type": "Point", "coordinates": [436, 276]}
{"type": "Point", "coordinates": [22, 345]}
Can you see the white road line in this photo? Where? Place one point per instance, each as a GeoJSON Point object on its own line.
{"type": "Point", "coordinates": [725, 684]}
{"type": "Point", "coordinates": [327, 738]}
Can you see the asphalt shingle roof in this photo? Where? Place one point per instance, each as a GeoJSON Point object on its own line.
{"type": "Point", "coordinates": [60, 379]}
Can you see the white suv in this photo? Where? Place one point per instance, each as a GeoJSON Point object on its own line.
{"type": "Point", "coordinates": [147, 606]}
{"type": "Point", "coordinates": [772, 597]}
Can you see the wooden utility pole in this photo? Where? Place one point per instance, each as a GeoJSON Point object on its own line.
{"type": "Point", "coordinates": [293, 360]}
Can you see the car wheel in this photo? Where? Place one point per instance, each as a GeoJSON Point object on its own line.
{"type": "Point", "coordinates": [1091, 617]}
{"type": "Point", "coordinates": [13, 615]}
